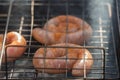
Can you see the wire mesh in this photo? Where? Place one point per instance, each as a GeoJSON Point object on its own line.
{"type": "Point", "coordinates": [23, 16]}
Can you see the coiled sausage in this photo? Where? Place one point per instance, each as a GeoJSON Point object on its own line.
{"type": "Point", "coordinates": [13, 38]}
{"type": "Point", "coordinates": [63, 28]}
{"type": "Point", "coordinates": [56, 60]}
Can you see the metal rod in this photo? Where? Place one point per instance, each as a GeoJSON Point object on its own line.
{"type": "Point", "coordinates": [83, 16]}
{"type": "Point", "coordinates": [114, 45]}
{"type": "Point", "coordinates": [6, 29]}
{"type": "Point", "coordinates": [109, 9]}
{"type": "Point", "coordinates": [74, 47]}
{"type": "Point", "coordinates": [32, 24]}
{"type": "Point", "coordinates": [45, 47]}
{"type": "Point", "coordinates": [101, 41]}
{"type": "Point", "coordinates": [12, 71]}
{"type": "Point", "coordinates": [118, 19]}
{"type": "Point", "coordinates": [103, 62]}
{"type": "Point", "coordinates": [21, 24]}
{"type": "Point", "coordinates": [66, 39]}
{"type": "Point", "coordinates": [4, 40]}
{"type": "Point", "coordinates": [20, 31]}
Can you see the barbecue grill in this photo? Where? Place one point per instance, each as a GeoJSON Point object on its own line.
{"type": "Point", "coordinates": [24, 15]}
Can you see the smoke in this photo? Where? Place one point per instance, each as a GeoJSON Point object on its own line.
{"type": "Point", "coordinates": [100, 8]}
{"type": "Point", "coordinates": [20, 8]}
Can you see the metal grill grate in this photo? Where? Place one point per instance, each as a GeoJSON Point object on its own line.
{"type": "Point", "coordinates": [24, 15]}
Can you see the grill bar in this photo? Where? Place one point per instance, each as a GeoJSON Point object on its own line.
{"type": "Point", "coordinates": [21, 24]}
{"type": "Point", "coordinates": [3, 44]}
{"type": "Point", "coordinates": [7, 23]}
{"type": "Point", "coordinates": [20, 32]}
{"type": "Point", "coordinates": [66, 40]}
{"type": "Point", "coordinates": [32, 23]}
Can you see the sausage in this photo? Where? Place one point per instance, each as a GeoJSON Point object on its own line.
{"type": "Point", "coordinates": [63, 28]}
{"type": "Point", "coordinates": [13, 38]}
{"type": "Point", "coordinates": [60, 60]}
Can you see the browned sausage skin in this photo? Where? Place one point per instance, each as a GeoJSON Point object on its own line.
{"type": "Point", "coordinates": [13, 38]}
{"type": "Point", "coordinates": [78, 60]}
{"type": "Point", "coordinates": [58, 29]}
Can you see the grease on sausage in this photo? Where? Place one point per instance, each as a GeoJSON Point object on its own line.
{"type": "Point", "coordinates": [58, 60]}
{"type": "Point", "coordinates": [58, 30]}
{"type": "Point", "coordinates": [13, 38]}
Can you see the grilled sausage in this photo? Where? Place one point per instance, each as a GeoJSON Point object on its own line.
{"type": "Point", "coordinates": [13, 38]}
{"type": "Point", "coordinates": [60, 60]}
{"type": "Point", "coordinates": [63, 28]}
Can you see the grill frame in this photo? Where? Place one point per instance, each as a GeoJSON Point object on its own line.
{"type": "Point", "coordinates": [46, 20]}
{"type": "Point", "coordinates": [118, 22]}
